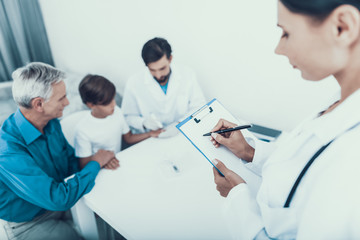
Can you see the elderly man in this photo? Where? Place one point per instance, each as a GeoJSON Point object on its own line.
{"type": "Point", "coordinates": [162, 93]}
{"type": "Point", "coordinates": [40, 178]}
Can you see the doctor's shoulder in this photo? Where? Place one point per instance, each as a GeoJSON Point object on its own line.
{"type": "Point", "coordinates": [185, 72]}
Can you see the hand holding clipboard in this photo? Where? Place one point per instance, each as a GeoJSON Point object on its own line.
{"type": "Point", "coordinates": [210, 118]}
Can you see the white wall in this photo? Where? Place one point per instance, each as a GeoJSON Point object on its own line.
{"type": "Point", "coordinates": [230, 44]}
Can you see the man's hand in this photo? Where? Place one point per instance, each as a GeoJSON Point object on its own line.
{"type": "Point", "coordinates": [226, 183]}
{"type": "Point", "coordinates": [234, 141]}
{"type": "Point", "coordinates": [170, 131]}
{"type": "Point", "coordinates": [112, 164]}
{"type": "Point", "coordinates": [103, 157]}
{"type": "Point", "coordinates": [156, 133]}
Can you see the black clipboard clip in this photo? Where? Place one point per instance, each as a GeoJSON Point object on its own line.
{"type": "Point", "coordinates": [206, 110]}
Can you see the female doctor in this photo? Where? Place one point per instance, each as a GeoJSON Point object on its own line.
{"type": "Point", "coordinates": [310, 182]}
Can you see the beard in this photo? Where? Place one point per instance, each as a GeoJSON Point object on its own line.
{"type": "Point", "coordinates": [163, 79]}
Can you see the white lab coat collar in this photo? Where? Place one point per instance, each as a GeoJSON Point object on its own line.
{"type": "Point", "coordinates": [173, 81]}
{"type": "Point", "coordinates": [336, 122]}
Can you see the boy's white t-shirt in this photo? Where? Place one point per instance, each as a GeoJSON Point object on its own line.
{"type": "Point", "coordinates": [92, 134]}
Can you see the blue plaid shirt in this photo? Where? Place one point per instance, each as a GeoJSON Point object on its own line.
{"type": "Point", "coordinates": [33, 167]}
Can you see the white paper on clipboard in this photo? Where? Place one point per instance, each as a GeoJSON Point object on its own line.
{"type": "Point", "coordinates": [203, 121]}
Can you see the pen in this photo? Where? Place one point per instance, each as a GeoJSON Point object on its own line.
{"type": "Point", "coordinates": [228, 130]}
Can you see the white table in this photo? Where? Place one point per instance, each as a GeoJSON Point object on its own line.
{"type": "Point", "coordinates": [146, 198]}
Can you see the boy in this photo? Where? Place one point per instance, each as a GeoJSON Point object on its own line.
{"type": "Point", "coordinates": [104, 126]}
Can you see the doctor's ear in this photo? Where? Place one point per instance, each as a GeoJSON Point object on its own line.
{"type": "Point", "coordinates": [37, 104]}
{"type": "Point", "coordinates": [346, 24]}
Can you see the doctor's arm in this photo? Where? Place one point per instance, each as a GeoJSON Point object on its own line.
{"type": "Point", "coordinates": [131, 111]}
{"type": "Point", "coordinates": [135, 138]}
{"type": "Point", "coordinates": [244, 145]}
{"type": "Point", "coordinates": [234, 141]}
{"type": "Point", "coordinates": [241, 211]}
{"type": "Point", "coordinates": [225, 183]}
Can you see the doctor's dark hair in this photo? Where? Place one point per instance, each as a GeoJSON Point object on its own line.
{"type": "Point", "coordinates": [155, 49]}
{"type": "Point", "coordinates": [97, 90]}
{"type": "Point", "coordinates": [317, 9]}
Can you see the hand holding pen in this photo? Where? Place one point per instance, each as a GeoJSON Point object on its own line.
{"type": "Point", "coordinates": [228, 130]}
{"type": "Point", "coordinates": [234, 141]}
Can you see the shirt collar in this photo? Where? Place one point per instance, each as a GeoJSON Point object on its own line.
{"type": "Point", "coordinates": [149, 79]}
{"type": "Point", "coordinates": [27, 130]}
{"type": "Point", "coordinates": [339, 120]}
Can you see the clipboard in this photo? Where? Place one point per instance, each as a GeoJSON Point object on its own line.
{"type": "Point", "coordinates": [202, 121]}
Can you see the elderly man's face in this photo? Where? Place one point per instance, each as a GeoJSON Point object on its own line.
{"type": "Point", "coordinates": [160, 69]}
{"type": "Point", "coordinates": [58, 101]}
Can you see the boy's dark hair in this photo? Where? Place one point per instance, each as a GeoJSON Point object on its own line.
{"type": "Point", "coordinates": [155, 49]}
{"type": "Point", "coordinates": [97, 90]}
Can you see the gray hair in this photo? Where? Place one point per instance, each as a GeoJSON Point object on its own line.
{"type": "Point", "coordinates": [34, 80]}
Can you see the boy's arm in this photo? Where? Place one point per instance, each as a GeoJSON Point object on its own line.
{"type": "Point", "coordinates": [82, 146]}
{"type": "Point", "coordinates": [135, 138]}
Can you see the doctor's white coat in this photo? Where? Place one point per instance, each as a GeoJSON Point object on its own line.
{"type": "Point", "coordinates": [143, 96]}
{"type": "Point", "coordinates": [326, 202]}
